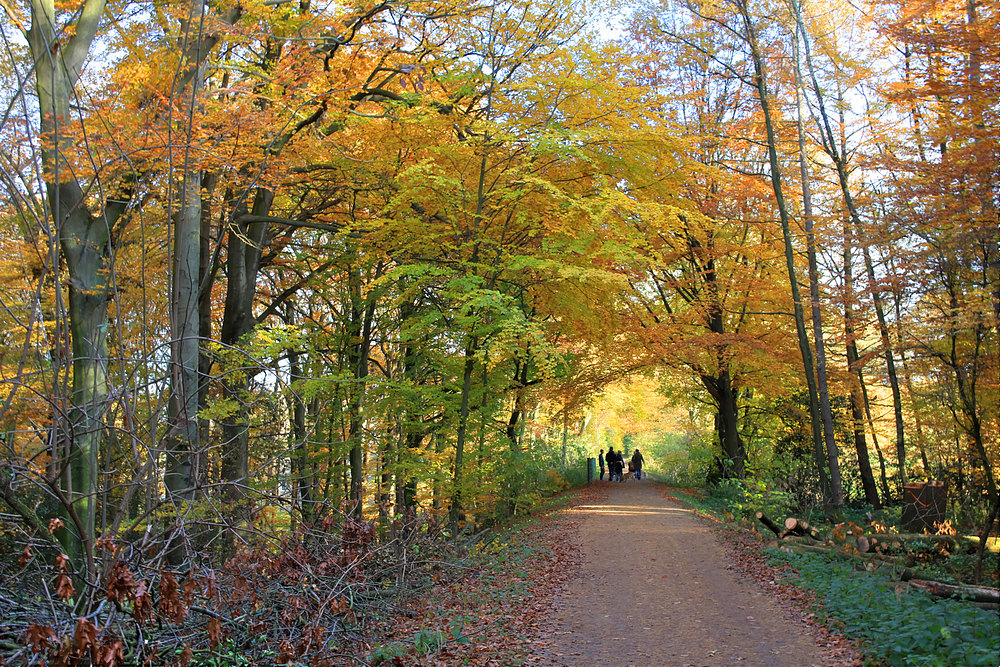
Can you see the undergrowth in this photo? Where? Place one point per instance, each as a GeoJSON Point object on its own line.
{"type": "Point", "coordinates": [897, 625]}
{"type": "Point", "coordinates": [476, 612]}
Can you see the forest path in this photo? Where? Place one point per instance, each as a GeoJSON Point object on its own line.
{"type": "Point", "coordinates": [653, 588]}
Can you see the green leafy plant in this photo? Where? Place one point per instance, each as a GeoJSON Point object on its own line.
{"type": "Point", "coordinates": [387, 653]}
{"type": "Point", "coordinates": [897, 625]}
{"type": "Point", "coordinates": [427, 641]}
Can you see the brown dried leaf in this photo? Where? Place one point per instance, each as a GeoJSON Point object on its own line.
{"type": "Point", "coordinates": [214, 629]}
{"type": "Point", "coordinates": [64, 587]}
{"type": "Point", "coordinates": [37, 637]}
{"type": "Point", "coordinates": [171, 605]}
{"type": "Point", "coordinates": [121, 584]}
{"type": "Point", "coordinates": [143, 608]}
{"type": "Point", "coordinates": [62, 563]}
{"type": "Point", "coordinates": [109, 654]}
{"type": "Point", "coordinates": [84, 636]}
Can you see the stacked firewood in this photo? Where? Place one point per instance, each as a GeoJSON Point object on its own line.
{"type": "Point", "coordinates": [873, 550]}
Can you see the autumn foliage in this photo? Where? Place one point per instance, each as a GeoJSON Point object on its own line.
{"type": "Point", "coordinates": [288, 288]}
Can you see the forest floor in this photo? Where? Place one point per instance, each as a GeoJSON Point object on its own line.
{"type": "Point", "coordinates": [655, 584]}
{"type": "Point", "coordinates": [627, 576]}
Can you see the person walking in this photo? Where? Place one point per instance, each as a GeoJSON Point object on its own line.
{"type": "Point", "coordinates": [613, 467]}
{"type": "Point", "coordinates": [600, 462]}
{"type": "Point", "coordinates": [637, 462]}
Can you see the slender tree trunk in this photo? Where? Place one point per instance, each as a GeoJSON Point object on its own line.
{"type": "Point", "coordinates": [455, 510]}
{"type": "Point", "coordinates": [437, 442]}
{"type": "Point", "coordinates": [890, 364]}
{"type": "Point", "coordinates": [832, 455]}
{"type": "Point", "coordinates": [856, 377]}
{"type": "Point", "coordinates": [886, 491]}
{"type": "Point", "coordinates": [244, 247]}
{"type": "Point", "coordinates": [805, 347]}
{"type": "Point", "coordinates": [298, 446]}
{"type": "Point", "coordinates": [908, 383]}
{"type": "Point", "coordinates": [565, 436]}
{"type": "Point", "coordinates": [729, 434]}
{"type": "Point", "coordinates": [728, 395]}
{"type": "Point", "coordinates": [830, 145]}
{"type": "Point", "coordinates": [359, 346]}
{"type": "Point", "coordinates": [205, 306]}
{"type": "Point", "coordinates": [986, 193]}
{"type": "Point", "coordinates": [182, 413]}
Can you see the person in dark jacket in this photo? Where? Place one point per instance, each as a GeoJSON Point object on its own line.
{"type": "Point", "coordinates": [637, 462]}
{"type": "Point", "coordinates": [614, 461]}
{"type": "Point", "coordinates": [600, 462]}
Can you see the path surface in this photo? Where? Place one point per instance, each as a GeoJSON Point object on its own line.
{"type": "Point", "coordinates": [654, 589]}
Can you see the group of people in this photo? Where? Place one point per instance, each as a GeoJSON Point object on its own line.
{"type": "Point", "coordinates": [615, 462]}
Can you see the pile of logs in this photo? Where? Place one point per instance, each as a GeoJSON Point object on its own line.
{"type": "Point", "coordinates": [793, 527]}
{"type": "Point", "coordinates": [797, 536]}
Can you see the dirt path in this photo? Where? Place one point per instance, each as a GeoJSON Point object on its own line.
{"type": "Point", "coordinates": [653, 588]}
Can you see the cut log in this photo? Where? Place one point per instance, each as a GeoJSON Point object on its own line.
{"type": "Point", "coordinates": [803, 539]}
{"type": "Point", "coordinates": [791, 528]}
{"type": "Point", "coordinates": [838, 553]}
{"type": "Point", "coordinates": [768, 523]}
{"type": "Point", "coordinates": [943, 590]}
{"type": "Point", "coordinates": [794, 526]}
{"type": "Point", "coordinates": [964, 543]}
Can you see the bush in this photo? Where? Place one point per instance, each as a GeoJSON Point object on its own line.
{"type": "Point", "coordinates": [745, 497]}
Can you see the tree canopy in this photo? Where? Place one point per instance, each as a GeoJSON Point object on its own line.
{"type": "Point", "coordinates": [274, 266]}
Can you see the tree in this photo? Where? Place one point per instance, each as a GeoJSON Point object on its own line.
{"type": "Point", "coordinates": [948, 201]}
{"type": "Point", "coordinates": [60, 43]}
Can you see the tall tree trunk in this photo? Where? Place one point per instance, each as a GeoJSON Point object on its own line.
{"type": "Point", "coordinates": [856, 377]}
{"type": "Point", "coordinates": [58, 58]}
{"type": "Point", "coordinates": [986, 193]}
{"type": "Point", "coordinates": [908, 380]}
{"type": "Point", "coordinates": [883, 477]}
{"type": "Point", "coordinates": [245, 243]}
{"type": "Point", "coordinates": [298, 445]}
{"type": "Point", "coordinates": [838, 156]}
{"type": "Point", "coordinates": [455, 510]}
{"type": "Point", "coordinates": [362, 309]}
{"type": "Point", "coordinates": [727, 398]}
{"type": "Point", "coordinates": [728, 425]}
{"type": "Point", "coordinates": [565, 436]}
{"type": "Point", "coordinates": [832, 455]}
{"type": "Point", "coordinates": [805, 347]}
{"type": "Point", "coordinates": [205, 305]}
{"type": "Point", "coordinates": [185, 281]}
{"type": "Point", "coordinates": [890, 363]}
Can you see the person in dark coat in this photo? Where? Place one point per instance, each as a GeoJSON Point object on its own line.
{"type": "Point", "coordinates": [600, 462]}
{"type": "Point", "coordinates": [637, 462]}
{"type": "Point", "coordinates": [613, 460]}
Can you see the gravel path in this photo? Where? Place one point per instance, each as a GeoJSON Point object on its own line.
{"type": "Point", "coordinates": [653, 588]}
